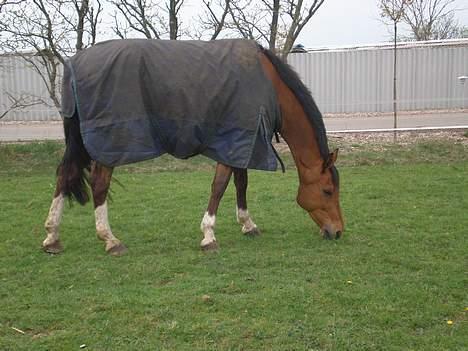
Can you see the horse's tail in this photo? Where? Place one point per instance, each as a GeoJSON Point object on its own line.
{"type": "Point", "coordinates": [73, 178]}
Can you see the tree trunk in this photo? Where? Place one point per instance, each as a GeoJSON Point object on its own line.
{"type": "Point", "coordinates": [274, 25]}
{"type": "Point", "coordinates": [173, 21]}
{"type": "Point", "coordinates": [82, 12]}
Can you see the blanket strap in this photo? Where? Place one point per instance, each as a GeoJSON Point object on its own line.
{"type": "Point", "coordinates": [277, 137]}
{"type": "Point", "coordinates": [283, 169]}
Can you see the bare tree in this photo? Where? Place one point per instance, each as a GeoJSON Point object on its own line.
{"type": "Point", "coordinates": [9, 2]}
{"type": "Point", "coordinates": [18, 102]}
{"type": "Point", "coordinates": [277, 23]}
{"type": "Point", "coordinates": [93, 18]}
{"type": "Point", "coordinates": [394, 10]}
{"type": "Point", "coordinates": [248, 18]}
{"type": "Point", "coordinates": [45, 32]}
{"type": "Point", "coordinates": [275, 14]}
{"type": "Point", "coordinates": [431, 19]}
{"type": "Point", "coordinates": [173, 9]}
{"type": "Point", "coordinates": [299, 15]}
{"type": "Point", "coordinates": [154, 19]}
{"type": "Point", "coordinates": [213, 19]}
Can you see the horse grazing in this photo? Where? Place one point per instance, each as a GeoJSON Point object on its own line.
{"type": "Point", "coordinates": [125, 101]}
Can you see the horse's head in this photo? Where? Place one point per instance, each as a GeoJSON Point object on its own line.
{"type": "Point", "coordinates": [319, 195]}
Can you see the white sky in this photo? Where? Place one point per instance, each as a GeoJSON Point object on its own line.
{"type": "Point", "coordinates": [339, 22]}
{"type": "Point", "coordinates": [351, 22]}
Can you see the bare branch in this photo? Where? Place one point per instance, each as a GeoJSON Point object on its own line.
{"type": "Point", "coordinates": [277, 23]}
{"type": "Point", "coordinates": [300, 14]}
{"type": "Point", "coordinates": [21, 102]}
{"type": "Point", "coordinates": [9, 2]}
{"type": "Point", "coordinates": [93, 18]}
{"type": "Point", "coordinates": [431, 19]}
{"type": "Point", "coordinates": [45, 32]}
{"type": "Point", "coordinates": [212, 21]}
{"type": "Point", "coordinates": [392, 9]}
{"type": "Point", "coordinates": [173, 10]}
{"type": "Point", "coordinates": [138, 16]}
{"type": "Point", "coordinates": [250, 20]}
{"type": "Point", "coordinates": [147, 17]}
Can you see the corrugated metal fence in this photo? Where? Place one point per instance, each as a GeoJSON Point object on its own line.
{"type": "Point", "coordinates": [19, 79]}
{"type": "Point", "coordinates": [361, 79]}
{"type": "Point", "coordinates": [343, 80]}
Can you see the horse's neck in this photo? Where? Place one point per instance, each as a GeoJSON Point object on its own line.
{"type": "Point", "coordinates": [300, 136]}
{"type": "Point", "coordinates": [296, 129]}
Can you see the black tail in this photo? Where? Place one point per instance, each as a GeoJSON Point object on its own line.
{"type": "Point", "coordinates": [72, 171]}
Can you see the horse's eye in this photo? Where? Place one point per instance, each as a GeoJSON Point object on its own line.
{"type": "Point", "coordinates": [328, 192]}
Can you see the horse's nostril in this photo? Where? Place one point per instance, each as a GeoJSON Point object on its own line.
{"type": "Point", "coordinates": [327, 235]}
{"type": "Point", "coordinates": [338, 234]}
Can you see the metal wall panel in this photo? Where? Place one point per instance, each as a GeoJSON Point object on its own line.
{"type": "Point", "coordinates": [341, 80]}
{"type": "Point", "coordinates": [18, 78]}
{"type": "Point", "coordinates": [361, 79]}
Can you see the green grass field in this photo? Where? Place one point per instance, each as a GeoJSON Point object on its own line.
{"type": "Point", "coordinates": [397, 280]}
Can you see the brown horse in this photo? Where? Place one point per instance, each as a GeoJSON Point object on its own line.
{"type": "Point", "coordinates": [301, 127]}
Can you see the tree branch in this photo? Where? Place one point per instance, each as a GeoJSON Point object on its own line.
{"type": "Point", "coordinates": [21, 102]}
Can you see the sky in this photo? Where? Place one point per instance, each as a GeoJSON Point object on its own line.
{"type": "Point", "coordinates": [354, 22]}
{"type": "Point", "coordinates": [339, 22]}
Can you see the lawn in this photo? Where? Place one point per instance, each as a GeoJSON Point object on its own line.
{"type": "Point", "coordinates": [396, 280]}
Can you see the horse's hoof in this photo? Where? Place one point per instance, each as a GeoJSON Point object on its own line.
{"type": "Point", "coordinates": [54, 248]}
{"type": "Point", "coordinates": [117, 250]}
{"type": "Point", "coordinates": [212, 246]}
{"type": "Point", "coordinates": [254, 232]}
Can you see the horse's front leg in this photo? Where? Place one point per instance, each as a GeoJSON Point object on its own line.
{"type": "Point", "coordinates": [243, 216]}
{"type": "Point", "coordinates": [100, 181]}
{"type": "Point", "coordinates": [218, 187]}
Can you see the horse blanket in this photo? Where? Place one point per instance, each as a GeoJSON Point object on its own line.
{"type": "Point", "coordinates": [137, 99]}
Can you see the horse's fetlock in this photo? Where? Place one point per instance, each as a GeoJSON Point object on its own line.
{"type": "Point", "coordinates": [50, 226]}
{"type": "Point", "coordinates": [242, 216]}
{"type": "Point", "coordinates": [102, 234]}
{"type": "Point", "coordinates": [208, 222]}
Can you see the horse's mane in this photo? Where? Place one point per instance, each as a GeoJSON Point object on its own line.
{"type": "Point", "coordinates": [302, 93]}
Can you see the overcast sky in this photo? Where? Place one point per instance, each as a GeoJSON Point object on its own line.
{"type": "Point", "coordinates": [337, 23]}
{"type": "Point", "coordinates": [351, 22]}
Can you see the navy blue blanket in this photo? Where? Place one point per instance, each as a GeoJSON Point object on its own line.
{"type": "Point", "coordinates": [138, 99]}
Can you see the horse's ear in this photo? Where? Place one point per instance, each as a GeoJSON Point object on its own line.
{"type": "Point", "coordinates": [332, 156]}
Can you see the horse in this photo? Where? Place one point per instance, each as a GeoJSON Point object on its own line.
{"type": "Point", "coordinates": [101, 121]}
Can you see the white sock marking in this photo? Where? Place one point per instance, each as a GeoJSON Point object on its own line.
{"type": "Point", "coordinates": [103, 228]}
{"type": "Point", "coordinates": [53, 220]}
{"type": "Point", "coordinates": [207, 227]}
{"type": "Point", "coordinates": [243, 218]}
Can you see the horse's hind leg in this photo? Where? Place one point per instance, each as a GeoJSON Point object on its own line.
{"type": "Point", "coordinates": [218, 187]}
{"type": "Point", "coordinates": [52, 244]}
{"type": "Point", "coordinates": [243, 216]}
{"type": "Point", "coordinates": [100, 181]}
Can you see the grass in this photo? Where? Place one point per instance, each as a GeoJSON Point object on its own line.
{"type": "Point", "coordinates": [392, 283]}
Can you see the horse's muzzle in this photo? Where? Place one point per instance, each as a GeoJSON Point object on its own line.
{"type": "Point", "coordinates": [330, 234]}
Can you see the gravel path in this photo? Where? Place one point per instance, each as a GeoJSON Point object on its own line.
{"type": "Point", "coordinates": [346, 141]}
